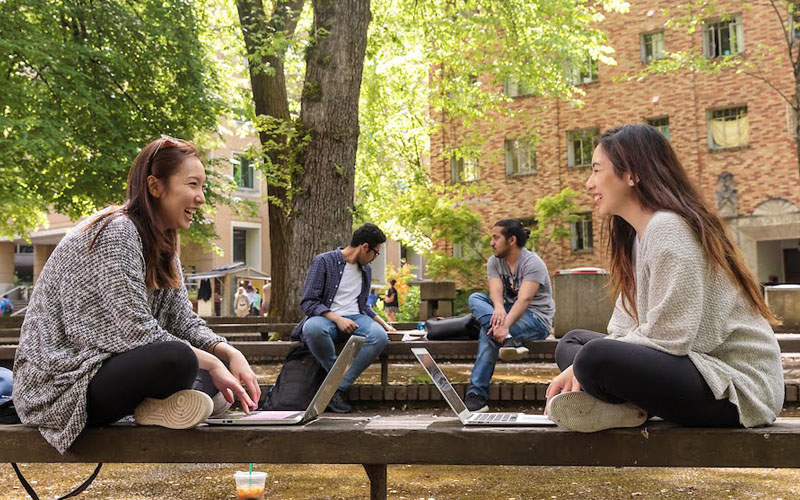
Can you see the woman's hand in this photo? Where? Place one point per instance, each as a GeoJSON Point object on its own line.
{"type": "Point", "coordinates": [240, 368]}
{"type": "Point", "coordinates": [230, 386]}
{"type": "Point", "coordinates": [563, 382]}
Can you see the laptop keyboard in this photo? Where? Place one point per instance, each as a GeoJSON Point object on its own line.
{"type": "Point", "coordinates": [493, 417]}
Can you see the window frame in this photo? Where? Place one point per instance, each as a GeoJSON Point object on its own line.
{"type": "Point", "coordinates": [515, 147]}
{"type": "Point", "coordinates": [738, 37]}
{"type": "Point", "coordinates": [652, 122]}
{"type": "Point", "coordinates": [459, 166]}
{"type": "Point", "coordinates": [712, 145]}
{"type": "Point", "coordinates": [577, 69]}
{"type": "Point", "coordinates": [570, 146]}
{"type": "Point", "coordinates": [513, 87]}
{"type": "Point", "coordinates": [585, 221]}
{"type": "Point", "coordinates": [236, 160]}
{"type": "Point", "coordinates": [643, 46]}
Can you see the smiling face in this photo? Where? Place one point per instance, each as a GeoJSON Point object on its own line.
{"type": "Point", "coordinates": [612, 194]}
{"type": "Point", "coordinates": [181, 196]}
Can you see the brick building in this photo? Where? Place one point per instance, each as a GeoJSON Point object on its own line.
{"type": "Point", "coordinates": [733, 133]}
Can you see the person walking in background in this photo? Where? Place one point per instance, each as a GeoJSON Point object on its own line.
{"type": "Point", "coordinates": [391, 304]}
{"type": "Point", "coordinates": [241, 303]}
{"type": "Point", "coordinates": [264, 310]}
{"type": "Point", "coordinates": [6, 307]}
{"type": "Point", "coordinates": [255, 308]}
{"type": "Point", "coordinates": [109, 329]}
{"type": "Point", "coordinates": [690, 338]}
{"type": "Point", "coordinates": [335, 303]}
{"type": "Point", "coordinates": [518, 310]}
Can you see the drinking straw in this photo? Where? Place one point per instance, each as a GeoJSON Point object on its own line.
{"type": "Point", "coordinates": [250, 477]}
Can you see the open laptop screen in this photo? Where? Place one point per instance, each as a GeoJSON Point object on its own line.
{"type": "Point", "coordinates": [447, 390]}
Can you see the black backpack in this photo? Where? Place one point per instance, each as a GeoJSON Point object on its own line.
{"type": "Point", "coordinates": [298, 381]}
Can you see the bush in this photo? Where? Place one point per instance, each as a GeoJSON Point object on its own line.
{"type": "Point", "coordinates": [409, 308]}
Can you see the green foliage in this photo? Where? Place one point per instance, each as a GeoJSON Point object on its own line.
{"type": "Point", "coordinates": [554, 214]}
{"type": "Point", "coordinates": [437, 62]}
{"type": "Point", "coordinates": [84, 88]}
{"type": "Point", "coordinates": [409, 309]}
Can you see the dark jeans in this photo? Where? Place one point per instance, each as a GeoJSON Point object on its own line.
{"type": "Point", "coordinates": [663, 385]}
{"type": "Point", "coordinates": [152, 371]}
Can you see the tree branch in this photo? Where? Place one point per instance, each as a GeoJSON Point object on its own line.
{"type": "Point", "coordinates": [771, 85]}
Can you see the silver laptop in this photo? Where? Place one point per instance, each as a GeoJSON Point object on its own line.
{"type": "Point", "coordinates": [317, 405]}
{"type": "Point", "coordinates": [467, 417]}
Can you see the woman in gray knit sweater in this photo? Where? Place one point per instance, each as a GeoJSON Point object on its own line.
{"type": "Point", "coordinates": [110, 331]}
{"type": "Point", "coordinates": [690, 337]}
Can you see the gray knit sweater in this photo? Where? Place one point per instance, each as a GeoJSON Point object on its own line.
{"type": "Point", "coordinates": [85, 308]}
{"type": "Point", "coordinates": [687, 309]}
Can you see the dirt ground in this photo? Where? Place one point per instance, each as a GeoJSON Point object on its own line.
{"type": "Point", "coordinates": [340, 482]}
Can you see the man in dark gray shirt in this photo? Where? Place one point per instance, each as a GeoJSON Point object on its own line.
{"type": "Point", "coordinates": [518, 310]}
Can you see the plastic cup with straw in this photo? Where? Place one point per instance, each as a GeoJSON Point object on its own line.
{"type": "Point", "coordinates": [250, 485]}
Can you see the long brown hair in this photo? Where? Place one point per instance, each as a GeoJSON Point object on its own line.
{"type": "Point", "coordinates": [662, 184]}
{"type": "Point", "coordinates": [161, 159]}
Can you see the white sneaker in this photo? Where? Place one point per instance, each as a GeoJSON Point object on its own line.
{"type": "Point", "coordinates": [220, 404]}
{"type": "Point", "coordinates": [511, 350]}
{"type": "Point", "coordinates": [582, 412]}
{"type": "Point", "coordinates": [182, 410]}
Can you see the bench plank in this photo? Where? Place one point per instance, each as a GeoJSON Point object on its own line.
{"type": "Point", "coordinates": [420, 440]}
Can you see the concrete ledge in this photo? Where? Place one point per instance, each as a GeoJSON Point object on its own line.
{"type": "Point", "coordinates": [420, 440]}
{"type": "Point", "coordinates": [260, 351]}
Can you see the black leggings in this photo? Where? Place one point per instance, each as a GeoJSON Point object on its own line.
{"type": "Point", "coordinates": [152, 371]}
{"type": "Point", "coordinates": [663, 385]}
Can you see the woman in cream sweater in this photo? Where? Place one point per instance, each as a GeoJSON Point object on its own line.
{"type": "Point", "coordinates": [690, 339]}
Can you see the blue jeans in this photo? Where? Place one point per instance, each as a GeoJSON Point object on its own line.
{"type": "Point", "coordinates": [528, 327]}
{"type": "Point", "coordinates": [5, 381]}
{"type": "Point", "coordinates": [320, 333]}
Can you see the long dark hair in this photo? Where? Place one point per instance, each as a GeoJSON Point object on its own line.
{"type": "Point", "coordinates": [161, 159]}
{"type": "Point", "coordinates": [662, 184]}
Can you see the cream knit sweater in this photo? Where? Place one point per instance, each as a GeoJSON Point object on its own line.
{"type": "Point", "coordinates": [688, 309]}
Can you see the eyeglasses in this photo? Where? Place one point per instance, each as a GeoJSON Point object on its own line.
{"type": "Point", "coordinates": [377, 253]}
{"type": "Point", "coordinates": [165, 139]}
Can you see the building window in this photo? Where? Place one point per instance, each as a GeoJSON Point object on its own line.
{"type": "Point", "coordinates": [661, 123]}
{"type": "Point", "coordinates": [581, 233]}
{"type": "Point", "coordinates": [652, 46]}
{"type": "Point", "coordinates": [580, 146]}
{"type": "Point", "coordinates": [24, 249]}
{"type": "Point", "coordinates": [728, 128]}
{"type": "Point", "coordinates": [240, 245]}
{"type": "Point", "coordinates": [585, 71]}
{"type": "Point", "coordinates": [512, 87]}
{"type": "Point", "coordinates": [723, 37]}
{"type": "Point", "coordinates": [243, 171]}
{"type": "Point", "coordinates": [464, 169]}
{"type": "Point", "coordinates": [520, 156]}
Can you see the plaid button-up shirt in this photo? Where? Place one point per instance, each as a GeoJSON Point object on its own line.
{"type": "Point", "coordinates": [322, 282]}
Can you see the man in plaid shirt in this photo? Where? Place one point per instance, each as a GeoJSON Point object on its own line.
{"type": "Point", "coordinates": [335, 303]}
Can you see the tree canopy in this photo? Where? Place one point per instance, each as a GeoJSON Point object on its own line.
{"type": "Point", "coordinates": [84, 88]}
{"type": "Point", "coordinates": [443, 63]}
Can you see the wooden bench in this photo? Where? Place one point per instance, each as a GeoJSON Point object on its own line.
{"type": "Point", "coordinates": [381, 441]}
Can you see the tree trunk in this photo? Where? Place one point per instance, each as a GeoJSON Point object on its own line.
{"type": "Point", "coordinates": [269, 97]}
{"type": "Point", "coordinates": [317, 215]}
{"type": "Point", "coordinates": [322, 209]}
